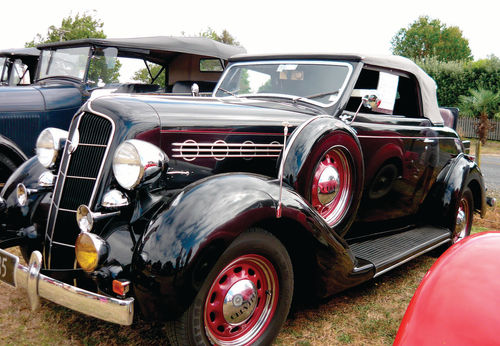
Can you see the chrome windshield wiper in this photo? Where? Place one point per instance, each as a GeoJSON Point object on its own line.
{"type": "Point", "coordinates": [314, 96]}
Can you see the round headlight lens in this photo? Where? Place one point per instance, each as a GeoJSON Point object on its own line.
{"type": "Point", "coordinates": [90, 251]}
{"type": "Point", "coordinates": [136, 161]}
{"type": "Point", "coordinates": [127, 166]}
{"type": "Point", "coordinates": [48, 145]}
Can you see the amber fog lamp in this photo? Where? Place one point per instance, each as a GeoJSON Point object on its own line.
{"type": "Point", "coordinates": [84, 218]}
{"type": "Point", "coordinates": [22, 195]}
{"type": "Point", "coordinates": [91, 250]}
{"type": "Point", "coordinates": [136, 161]}
{"type": "Point", "coordinates": [48, 144]}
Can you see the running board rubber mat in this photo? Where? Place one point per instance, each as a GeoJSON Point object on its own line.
{"type": "Point", "coordinates": [391, 251]}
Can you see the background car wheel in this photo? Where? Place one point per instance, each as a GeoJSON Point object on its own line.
{"type": "Point", "coordinates": [7, 167]}
{"type": "Point", "coordinates": [245, 298]}
{"type": "Point", "coordinates": [463, 216]}
{"type": "Point", "coordinates": [332, 179]}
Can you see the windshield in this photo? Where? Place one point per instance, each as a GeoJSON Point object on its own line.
{"type": "Point", "coordinates": [66, 62]}
{"type": "Point", "coordinates": [317, 81]}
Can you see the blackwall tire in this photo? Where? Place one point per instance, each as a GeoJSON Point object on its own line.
{"type": "Point", "coordinates": [245, 298]}
{"type": "Point", "coordinates": [338, 150]}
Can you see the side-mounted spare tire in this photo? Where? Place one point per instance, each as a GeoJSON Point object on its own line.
{"type": "Point", "coordinates": [324, 163]}
{"type": "Point", "coordinates": [245, 298]}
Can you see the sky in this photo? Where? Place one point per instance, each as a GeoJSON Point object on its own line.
{"type": "Point", "coordinates": [264, 26]}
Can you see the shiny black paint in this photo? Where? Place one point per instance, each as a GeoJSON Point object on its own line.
{"type": "Point", "coordinates": [182, 243]}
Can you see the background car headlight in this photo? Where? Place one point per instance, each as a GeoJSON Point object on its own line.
{"type": "Point", "coordinates": [136, 161]}
{"type": "Point", "coordinates": [90, 251]}
{"type": "Point", "coordinates": [48, 144]}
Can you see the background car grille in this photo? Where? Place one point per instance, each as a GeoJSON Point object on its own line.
{"type": "Point", "coordinates": [77, 180]}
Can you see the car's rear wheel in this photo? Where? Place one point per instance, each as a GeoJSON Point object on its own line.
{"type": "Point", "coordinates": [245, 298]}
{"type": "Point", "coordinates": [463, 216]}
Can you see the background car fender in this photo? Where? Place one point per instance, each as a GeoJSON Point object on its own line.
{"type": "Point", "coordinates": [12, 150]}
{"type": "Point", "coordinates": [186, 237]}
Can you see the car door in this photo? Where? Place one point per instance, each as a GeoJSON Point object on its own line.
{"type": "Point", "coordinates": [399, 145]}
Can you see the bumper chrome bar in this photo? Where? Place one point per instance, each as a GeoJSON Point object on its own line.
{"type": "Point", "coordinates": [120, 311]}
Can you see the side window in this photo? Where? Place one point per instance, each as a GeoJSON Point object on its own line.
{"type": "Point", "coordinates": [398, 93]}
{"type": "Point", "coordinates": [20, 73]}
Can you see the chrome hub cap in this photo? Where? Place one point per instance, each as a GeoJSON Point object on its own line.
{"type": "Point", "coordinates": [328, 185]}
{"type": "Point", "coordinates": [240, 302]}
{"type": "Point", "coordinates": [462, 221]}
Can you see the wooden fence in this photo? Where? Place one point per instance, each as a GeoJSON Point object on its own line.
{"type": "Point", "coordinates": [466, 127]}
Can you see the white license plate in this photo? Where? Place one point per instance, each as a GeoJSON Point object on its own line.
{"type": "Point", "coordinates": [8, 265]}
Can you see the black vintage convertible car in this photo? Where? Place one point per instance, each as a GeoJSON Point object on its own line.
{"type": "Point", "coordinates": [303, 174]}
{"type": "Point", "coordinates": [71, 72]}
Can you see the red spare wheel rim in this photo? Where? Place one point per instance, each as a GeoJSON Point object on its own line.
{"type": "Point", "coordinates": [242, 301]}
{"type": "Point", "coordinates": [332, 185]}
{"type": "Point", "coordinates": [462, 226]}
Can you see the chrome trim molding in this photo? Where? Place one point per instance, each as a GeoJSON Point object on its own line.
{"type": "Point", "coordinates": [120, 311]}
{"type": "Point", "coordinates": [190, 150]}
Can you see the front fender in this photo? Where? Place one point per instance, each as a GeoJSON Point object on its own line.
{"type": "Point", "coordinates": [12, 150]}
{"type": "Point", "coordinates": [186, 237]}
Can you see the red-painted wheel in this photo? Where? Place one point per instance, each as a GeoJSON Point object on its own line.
{"type": "Point", "coordinates": [242, 301]}
{"type": "Point", "coordinates": [331, 188]}
{"type": "Point", "coordinates": [463, 216]}
{"type": "Point", "coordinates": [245, 298]}
{"type": "Point", "coordinates": [332, 177]}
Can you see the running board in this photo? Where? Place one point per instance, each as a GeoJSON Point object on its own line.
{"type": "Point", "coordinates": [391, 251]}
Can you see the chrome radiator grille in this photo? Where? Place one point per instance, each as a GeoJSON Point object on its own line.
{"type": "Point", "coordinates": [77, 181]}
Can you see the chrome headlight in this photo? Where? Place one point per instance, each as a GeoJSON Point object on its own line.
{"type": "Point", "coordinates": [136, 161]}
{"type": "Point", "coordinates": [48, 144]}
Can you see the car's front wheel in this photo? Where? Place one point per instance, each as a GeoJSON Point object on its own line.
{"type": "Point", "coordinates": [245, 298]}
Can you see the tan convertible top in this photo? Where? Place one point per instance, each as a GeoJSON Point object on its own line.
{"type": "Point", "coordinates": [427, 84]}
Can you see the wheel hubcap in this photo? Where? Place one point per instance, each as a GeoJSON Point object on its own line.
{"type": "Point", "coordinates": [241, 301]}
{"type": "Point", "coordinates": [462, 221]}
{"type": "Point", "coordinates": [332, 185]}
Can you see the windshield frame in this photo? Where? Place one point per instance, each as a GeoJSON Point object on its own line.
{"type": "Point", "coordinates": [61, 76]}
{"type": "Point", "coordinates": [291, 62]}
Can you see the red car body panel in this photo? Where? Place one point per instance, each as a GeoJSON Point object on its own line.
{"type": "Point", "coordinates": [458, 301]}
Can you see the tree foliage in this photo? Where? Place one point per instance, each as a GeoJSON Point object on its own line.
{"type": "Point", "coordinates": [224, 36]}
{"type": "Point", "coordinates": [426, 38]}
{"type": "Point", "coordinates": [72, 28]}
{"type": "Point", "coordinates": [483, 104]}
{"type": "Point", "coordinates": [455, 78]}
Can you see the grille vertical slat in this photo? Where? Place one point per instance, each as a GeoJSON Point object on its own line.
{"type": "Point", "coordinates": [76, 186]}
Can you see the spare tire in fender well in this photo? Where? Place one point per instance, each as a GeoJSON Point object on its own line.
{"type": "Point", "coordinates": [315, 146]}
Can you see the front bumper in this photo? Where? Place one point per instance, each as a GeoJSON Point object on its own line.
{"type": "Point", "coordinates": [120, 311]}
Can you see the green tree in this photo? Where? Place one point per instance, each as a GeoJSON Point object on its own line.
{"type": "Point", "coordinates": [426, 38]}
{"type": "Point", "coordinates": [72, 28]}
{"type": "Point", "coordinates": [483, 104]}
{"type": "Point", "coordinates": [224, 36]}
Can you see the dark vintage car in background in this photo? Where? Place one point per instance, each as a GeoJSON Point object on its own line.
{"type": "Point", "coordinates": [18, 66]}
{"type": "Point", "coordinates": [71, 71]}
{"type": "Point", "coordinates": [303, 175]}
{"type": "Point", "coordinates": [457, 302]}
